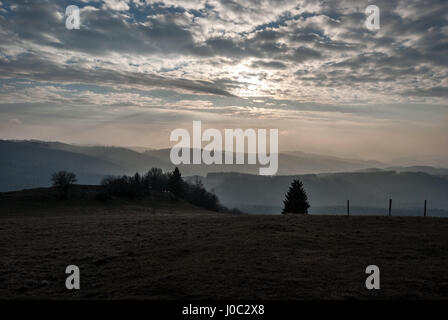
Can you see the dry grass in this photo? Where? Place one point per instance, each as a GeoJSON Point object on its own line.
{"type": "Point", "coordinates": [179, 252]}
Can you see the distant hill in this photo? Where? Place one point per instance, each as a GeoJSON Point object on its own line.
{"type": "Point", "coordinates": [419, 160]}
{"type": "Point", "coordinates": [368, 192]}
{"type": "Point", "coordinates": [28, 164]}
{"type": "Point", "coordinates": [426, 169]}
{"type": "Point", "coordinates": [289, 163]}
{"type": "Point", "coordinates": [334, 164]}
{"type": "Point", "coordinates": [329, 181]}
{"type": "Point", "coordinates": [442, 172]}
{"type": "Point", "coordinates": [132, 161]}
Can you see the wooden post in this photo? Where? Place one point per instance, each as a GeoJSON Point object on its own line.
{"type": "Point", "coordinates": [424, 212]}
{"type": "Point", "coordinates": [348, 207]}
{"type": "Point", "coordinates": [390, 207]}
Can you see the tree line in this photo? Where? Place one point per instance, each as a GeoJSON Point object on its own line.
{"type": "Point", "coordinates": [157, 181]}
{"type": "Point", "coordinates": [154, 182]}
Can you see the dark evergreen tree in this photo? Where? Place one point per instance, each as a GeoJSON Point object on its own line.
{"type": "Point", "coordinates": [176, 184]}
{"type": "Point", "coordinates": [296, 200]}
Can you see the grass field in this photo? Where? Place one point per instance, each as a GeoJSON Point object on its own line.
{"type": "Point", "coordinates": [176, 251]}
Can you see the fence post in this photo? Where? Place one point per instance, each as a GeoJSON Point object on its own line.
{"type": "Point", "coordinates": [348, 207]}
{"type": "Point", "coordinates": [424, 212]}
{"type": "Point", "coordinates": [390, 207]}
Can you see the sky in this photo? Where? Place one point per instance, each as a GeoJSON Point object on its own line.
{"type": "Point", "coordinates": [136, 70]}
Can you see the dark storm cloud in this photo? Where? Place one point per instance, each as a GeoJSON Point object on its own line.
{"type": "Point", "coordinates": [432, 92]}
{"type": "Point", "coordinates": [33, 67]}
{"type": "Point", "coordinates": [269, 65]}
{"type": "Point", "coordinates": [303, 53]}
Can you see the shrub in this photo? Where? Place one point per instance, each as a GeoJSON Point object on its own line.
{"type": "Point", "coordinates": [199, 196]}
{"type": "Point", "coordinates": [128, 187]}
{"type": "Point", "coordinates": [157, 181]}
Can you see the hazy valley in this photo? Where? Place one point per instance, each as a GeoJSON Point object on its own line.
{"type": "Point", "coordinates": [330, 181]}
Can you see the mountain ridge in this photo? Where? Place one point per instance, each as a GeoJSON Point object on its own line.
{"type": "Point", "coordinates": [29, 164]}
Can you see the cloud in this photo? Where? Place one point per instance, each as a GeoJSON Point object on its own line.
{"type": "Point", "coordinates": [301, 55]}
{"type": "Point", "coordinates": [34, 68]}
{"type": "Point", "coordinates": [269, 64]}
{"type": "Point", "coordinates": [15, 121]}
{"type": "Point", "coordinates": [431, 92]}
{"type": "Point", "coordinates": [119, 5]}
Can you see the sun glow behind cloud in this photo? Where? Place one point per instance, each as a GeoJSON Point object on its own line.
{"type": "Point", "coordinates": [251, 82]}
{"type": "Point", "coordinates": [309, 68]}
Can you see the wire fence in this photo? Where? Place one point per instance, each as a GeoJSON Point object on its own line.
{"type": "Point", "coordinates": [390, 209]}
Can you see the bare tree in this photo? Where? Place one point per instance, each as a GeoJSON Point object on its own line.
{"type": "Point", "coordinates": [63, 180]}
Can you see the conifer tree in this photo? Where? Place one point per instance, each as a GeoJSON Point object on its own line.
{"type": "Point", "coordinates": [296, 200]}
{"type": "Point", "coordinates": [176, 184]}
